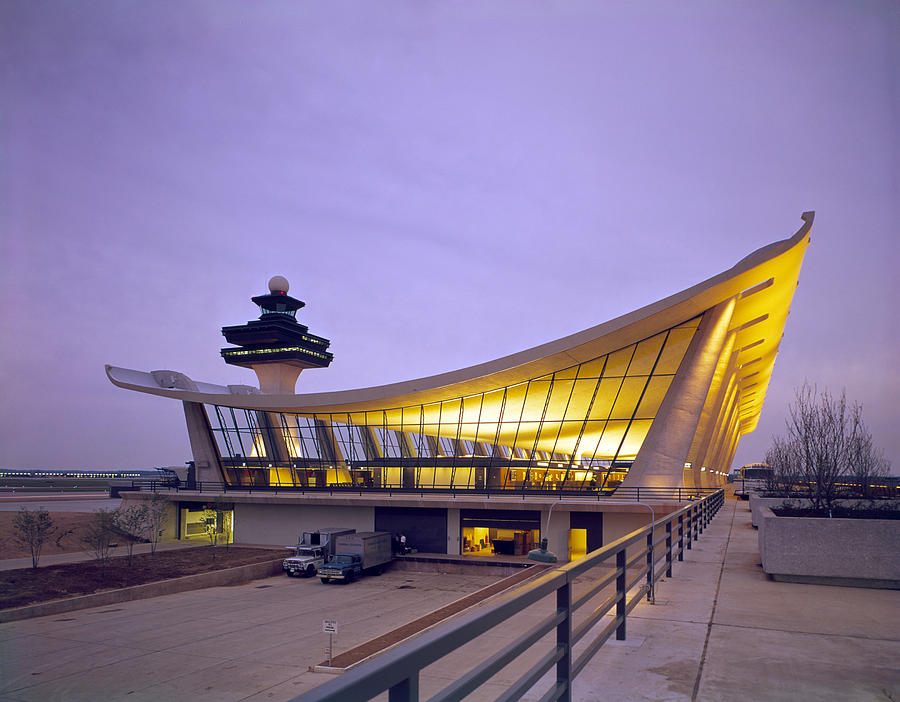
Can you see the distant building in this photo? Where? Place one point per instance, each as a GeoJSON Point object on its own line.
{"type": "Point", "coordinates": [656, 399]}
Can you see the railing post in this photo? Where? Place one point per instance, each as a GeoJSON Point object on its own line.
{"type": "Point", "coordinates": [406, 690]}
{"type": "Point", "coordinates": [690, 527]}
{"type": "Point", "coordinates": [669, 549]}
{"type": "Point", "coordinates": [650, 567]}
{"type": "Point", "coordinates": [564, 641]}
{"type": "Point", "coordinates": [680, 537]}
{"type": "Point", "coordinates": [621, 594]}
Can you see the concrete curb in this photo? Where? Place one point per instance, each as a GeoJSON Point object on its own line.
{"type": "Point", "coordinates": [217, 578]}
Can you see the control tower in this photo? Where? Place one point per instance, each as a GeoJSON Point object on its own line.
{"type": "Point", "coordinates": [276, 346]}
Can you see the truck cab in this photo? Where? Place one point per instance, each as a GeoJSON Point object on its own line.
{"type": "Point", "coordinates": [345, 567]}
{"type": "Point", "coordinates": [306, 561]}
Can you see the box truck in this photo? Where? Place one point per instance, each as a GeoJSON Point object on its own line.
{"type": "Point", "coordinates": [356, 555]}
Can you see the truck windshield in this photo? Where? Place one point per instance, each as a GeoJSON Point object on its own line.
{"type": "Point", "coordinates": [306, 552]}
{"type": "Point", "coordinates": [343, 559]}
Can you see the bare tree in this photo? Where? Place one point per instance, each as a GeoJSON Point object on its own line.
{"type": "Point", "coordinates": [130, 523]}
{"type": "Point", "coordinates": [32, 529]}
{"type": "Point", "coordinates": [217, 518]}
{"type": "Point", "coordinates": [785, 474]}
{"type": "Point", "coordinates": [98, 536]}
{"type": "Point", "coordinates": [157, 516]}
{"type": "Point", "coordinates": [867, 463]}
{"type": "Point", "coordinates": [827, 443]}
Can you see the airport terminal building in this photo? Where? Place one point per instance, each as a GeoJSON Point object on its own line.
{"type": "Point", "coordinates": [470, 461]}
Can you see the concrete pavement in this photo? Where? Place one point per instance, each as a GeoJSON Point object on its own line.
{"type": "Point", "coordinates": [720, 630]}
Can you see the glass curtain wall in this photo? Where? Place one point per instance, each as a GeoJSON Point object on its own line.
{"type": "Point", "coordinates": [575, 429]}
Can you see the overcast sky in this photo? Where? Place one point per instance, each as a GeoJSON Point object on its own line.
{"type": "Point", "coordinates": [443, 182]}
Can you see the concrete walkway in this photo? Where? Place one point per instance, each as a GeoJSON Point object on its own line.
{"type": "Point", "coordinates": [721, 630]}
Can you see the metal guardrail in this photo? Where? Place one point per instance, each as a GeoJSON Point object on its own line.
{"type": "Point", "coordinates": [628, 494]}
{"type": "Point", "coordinates": [397, 671]}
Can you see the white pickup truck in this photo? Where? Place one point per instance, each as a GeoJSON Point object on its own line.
{"type": "Point", "coordinates": [306, 562]}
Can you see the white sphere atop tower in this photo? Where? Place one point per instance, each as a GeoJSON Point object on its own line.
{"type": "Point", "coordinates": [279, 284]}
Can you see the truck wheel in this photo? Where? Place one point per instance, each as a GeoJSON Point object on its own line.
{"type": "Point", "coordinates": [288, 573]}
{"type": "Point", "coordinates": [325, 580]}
{"type": "Point", "coordinates": [351, 576]}
{"type": "Point", "coordinates": [310, 571]}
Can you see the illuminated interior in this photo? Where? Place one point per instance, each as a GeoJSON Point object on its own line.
{"type": "Point", "coordinates": [485, 541]}
{"type": "Point", "coordinates": [197, 523]}
{"type": "Point", "coordinates": [577, 428]}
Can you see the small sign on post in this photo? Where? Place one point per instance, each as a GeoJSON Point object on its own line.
{"type": "Point", "coordinates": [330, 627]}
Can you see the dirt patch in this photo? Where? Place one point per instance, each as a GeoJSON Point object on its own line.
{"type": "Point", "coordinates": [29, 586]}
{"type": "Point", "coordinates": [67, 538]}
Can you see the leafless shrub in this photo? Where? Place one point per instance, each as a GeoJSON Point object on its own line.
{"type": "Point", "coordinates": [131, 525]}
{"type": "Point", "coordinates": [99, 534]}
{"type": "Point", "coordinates": [157, 516]}
{"type": "Point", "coordinates": [827, 448]}
{"type": "Point", "coordinates": [32, 529]}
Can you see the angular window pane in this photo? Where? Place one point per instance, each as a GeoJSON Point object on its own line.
{"type": "Point", "coordinates": [592, 369]}
{"type": "Point", "coordinates": [653, 396]}
{"type": "Point", "coordinates": [612, 436]}
{"type": "Point", "coordinates": [676, 345]}
{"type": "Point", "coordinates": [490, 408]}
{"type": "Point", "coordinates": [534, 402]}
{"type": "Point", "coordinates": [567, 373]}
{"type": "Point", "coordinates": [559, 399]}
{"type": "Point", "coordinates": [618, 362]}
{"type": "Point", "coordinates": [646, 354]}
{"type": "Point", "coordinates": [628, 398]}
{"type": "Point", "coordinates": [606, 396]}
{"type": "Point", "coordinates": [637, 432]}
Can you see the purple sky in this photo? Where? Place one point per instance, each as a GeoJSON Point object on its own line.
{"type": "Point", "coordinates": [443, 183]}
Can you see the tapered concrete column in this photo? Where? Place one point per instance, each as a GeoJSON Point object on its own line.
{"type": "Point", "coordinates": [206, 456]}
{"type": "Point", "coordinates": [660, 461]}
{"type": "Point", "coordinates": [717, 397]}
{"type": "Point", "coordinates": [276, 378]}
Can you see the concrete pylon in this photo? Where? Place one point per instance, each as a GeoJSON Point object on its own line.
{"type": "Point", "coordinates": [660, 461]}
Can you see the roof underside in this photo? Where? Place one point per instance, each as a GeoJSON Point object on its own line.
{"type": "Point", "coordinates": [762, 285]}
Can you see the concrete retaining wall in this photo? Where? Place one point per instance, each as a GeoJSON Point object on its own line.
{"type": "Point", "coordinates": [852, 552]}
{"type": "Point", "coordinates": [218, 578]}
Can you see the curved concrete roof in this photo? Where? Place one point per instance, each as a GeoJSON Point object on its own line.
{"type": "Point", "coordinates": [762, 283]}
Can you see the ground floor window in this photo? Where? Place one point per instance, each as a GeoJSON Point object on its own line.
{"type": "Point", "coordinates": [486, 541]}
{"type": "Point", "coordinates": [207, 522]}
{"type": "Point", "coordinates": [499, 532]}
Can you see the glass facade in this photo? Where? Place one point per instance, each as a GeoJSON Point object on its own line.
{"type": "Point", "coordinates": [578, 428]}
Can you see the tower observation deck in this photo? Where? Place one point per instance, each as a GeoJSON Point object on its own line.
{"type": "Point", "coordinates": [276, 346]}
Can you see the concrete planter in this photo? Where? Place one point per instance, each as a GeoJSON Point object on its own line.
{"type": "Point", "coordinates": [849, 552]}
{"type": "Point", "coordinates": [757, 504]}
